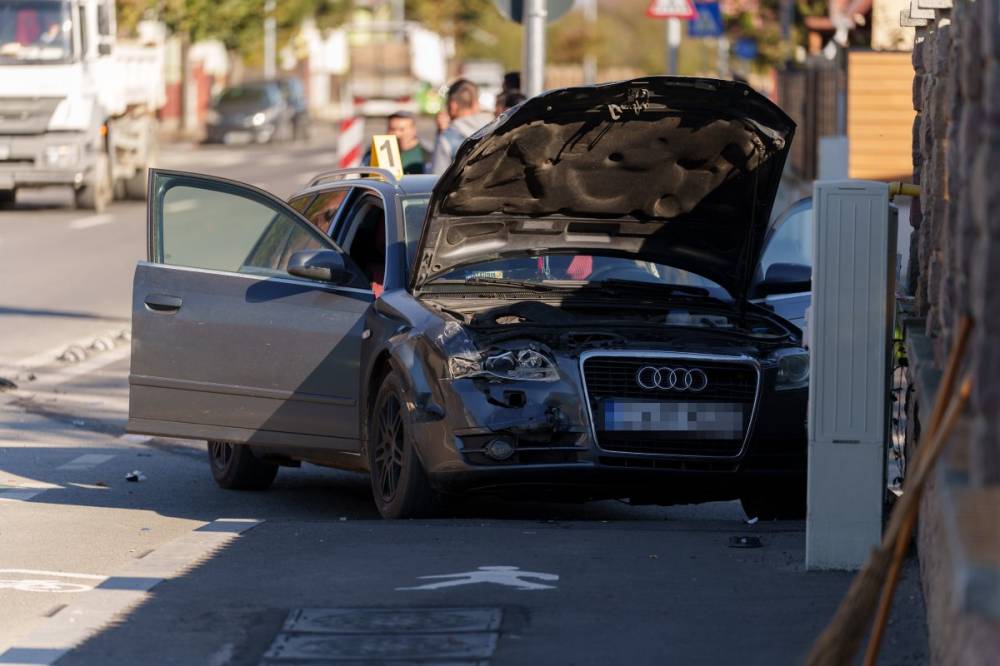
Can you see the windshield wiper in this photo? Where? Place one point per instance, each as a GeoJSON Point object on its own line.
{"type": "Point", "coordinates": [479, 280]}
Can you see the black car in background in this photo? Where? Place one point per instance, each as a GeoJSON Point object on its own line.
{"type": "Point", "coordinates": [259, 112]}
{"type": "Point", "coordinates": [579, 314]}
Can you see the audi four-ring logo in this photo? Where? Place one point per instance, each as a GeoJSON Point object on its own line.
{"type": "Point", "coordinates": [671, 379]}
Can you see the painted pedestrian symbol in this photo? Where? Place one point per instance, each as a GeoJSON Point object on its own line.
{"type": "Point", "coordinates": [508, 576]}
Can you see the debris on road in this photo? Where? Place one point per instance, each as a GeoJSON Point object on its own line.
{"type": "Point", "coordinates": [7, 385]}
{"type": "Point", "coordinates": [135, 476]}
{"type": "Point", "coordinates": [744, 542]}
{"type": "Point", "coordinates": [751, 521]}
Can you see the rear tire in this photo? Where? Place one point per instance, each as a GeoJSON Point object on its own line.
{"type": "Point", "coordinates": [98, 191]}
{"type": "Point", "coordinates": [135, 187]}
{"type": "Point", "coordinates": [399, 483]}
{"type": "Point", "coordinates": [778, 500]}
{"type": "Point", "coordinates": [234, 467]}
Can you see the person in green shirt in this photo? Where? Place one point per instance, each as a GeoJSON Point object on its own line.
{"type": "Point", "coordinates": [403, 125]}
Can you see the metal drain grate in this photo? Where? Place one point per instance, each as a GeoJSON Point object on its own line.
{"type": "Point", "coordinates": [390, 636]}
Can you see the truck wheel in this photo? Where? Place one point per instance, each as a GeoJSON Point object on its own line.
{"type": "Point", "coordinates": [135, 187]}
{"type": "Point", "coordinates": [97, 192]}
{"type": "Point", "coordinates": [7, 198]}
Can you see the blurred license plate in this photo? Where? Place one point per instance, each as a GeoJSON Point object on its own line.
{"type": "Point", "coordinates": [697, 420]}
{"type": "Point", "coordinates": [237, 137]}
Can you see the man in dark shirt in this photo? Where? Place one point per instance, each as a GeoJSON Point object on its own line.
{"type": "Point", "coordinates": [414, 156]}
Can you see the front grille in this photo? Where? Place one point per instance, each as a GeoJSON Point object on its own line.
{"type": "Point", "coordinates": [731, 383]}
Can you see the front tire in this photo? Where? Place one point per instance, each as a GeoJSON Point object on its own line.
{"type": "Point", "coordinates": [234, 467]}
{"type": "Point", "coordinates": [777, 500]}
{"type": "Point", "coordinates": [399, 483]}
{"type": "Point", "coordinates": [96, 194]}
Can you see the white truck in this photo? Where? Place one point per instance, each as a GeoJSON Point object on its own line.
{"type": "Point", "coordinates": [77, 106]}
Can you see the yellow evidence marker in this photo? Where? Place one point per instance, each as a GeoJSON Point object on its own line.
{"type": "Point", "coordinates": [385, 154]}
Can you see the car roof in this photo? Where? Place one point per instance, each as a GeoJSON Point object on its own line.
{"type": "Point", "coordinates": [407, 186]}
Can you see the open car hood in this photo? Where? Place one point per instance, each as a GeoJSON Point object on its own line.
{"type": "Point", "coordinates": [675, 170]}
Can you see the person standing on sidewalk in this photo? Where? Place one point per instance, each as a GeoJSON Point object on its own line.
{"type": "Point", "coordinates": [466, 119]}
{"type": "Point", "coordinates": [403, 125]}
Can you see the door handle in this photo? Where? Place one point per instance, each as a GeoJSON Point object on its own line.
{"type": "Point", "coordinates": [163, 303]}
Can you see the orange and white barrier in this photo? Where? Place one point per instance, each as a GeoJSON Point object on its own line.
{"type": "Point", "coordinates": [350, 142]}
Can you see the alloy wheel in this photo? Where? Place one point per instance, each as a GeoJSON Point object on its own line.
{"type": "Point", "coordinates": [221, 453]}
{"type": "Point", "coordinates": [388, 455]}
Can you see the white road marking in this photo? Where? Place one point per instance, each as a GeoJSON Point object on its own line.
{"type": "Point", "coordinates": [19, 494]}
{"type": "Point", "coordinates": [496, 575]}
{"type": "Point", "coordinates": [60, 574]}
{"type": "Point", "coordinates": [135, 439]}
{"type": "Point", "coordinates": [26, 580]}
{"type": "Point", "coordinates": [86, 461]}
{"type": "Point", "coordinates": [91, 221]}
{"type": "Point", "coordinates": [22, 492]}
{"type": "Point", "coordinates": [116, 595]}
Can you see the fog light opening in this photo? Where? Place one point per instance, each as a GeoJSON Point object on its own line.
{"type": "Point", "coordinates": [498, 449]}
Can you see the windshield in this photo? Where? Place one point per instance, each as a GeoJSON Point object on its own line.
{"type": "Point", "coordinates": [35, 31]}
{"type": "Point", "coordinates": [584, 269]}
{"type": "Point", "coordinates": [791, 242]}
{"type": "Point", "coordinates": [414, 211]}
{"type": "Point", "coordinates": [245, 96]}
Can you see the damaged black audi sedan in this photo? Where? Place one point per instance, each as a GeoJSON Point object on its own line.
{"type": "Point", "coordinates": [573, 310]}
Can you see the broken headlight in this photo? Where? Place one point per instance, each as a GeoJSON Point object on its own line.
{"type": "Point", "coordinates": [793, 369]}
{"type": "Point", "coordinates": [528, 365]}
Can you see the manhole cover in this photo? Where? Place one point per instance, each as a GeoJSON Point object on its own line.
{"type": "Point", "coordinates": [332, 647]}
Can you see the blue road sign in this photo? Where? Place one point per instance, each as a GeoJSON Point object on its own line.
{"type": "Point", "coordinates": [708, 22]}
{"type": "Point", "coordinates": [745, 48]}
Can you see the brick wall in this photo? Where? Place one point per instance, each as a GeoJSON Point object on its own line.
{"type": "Point", "coordinates": [956, 144]}
{"type": "Point", "coordinates": [955, 270]}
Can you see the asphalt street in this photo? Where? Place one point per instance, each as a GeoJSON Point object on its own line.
{"type": "Point", "coordinates": [169, 569]}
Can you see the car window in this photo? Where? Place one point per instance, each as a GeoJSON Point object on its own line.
{"type": "Point", "coordinates": [221, 230]}
{"type": "Point", "coordinates": [249, 96]}
{"type": "Point", "coordinates": [791, 240]}
{"type": "Point", "coordinates": [583, 268]}
{"type": "Point", "coordinates": [323, 209]}
{"type": "Point", "coordinates": [301, 203]}
{"type": "Point", "coordinates": [362, 236]}
{"type": "Point", "coordinates": [414, 211]}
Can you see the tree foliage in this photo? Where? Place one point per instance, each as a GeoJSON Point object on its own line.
{"type": "Point", "coordinates": [239, 24]}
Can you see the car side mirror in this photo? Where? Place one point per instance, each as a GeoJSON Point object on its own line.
{"type": "Point", "coordinates": [786, 279]}
{"type": "Point", "coordinates": [323, 265]}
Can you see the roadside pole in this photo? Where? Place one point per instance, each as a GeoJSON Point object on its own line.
{"type": "Point", "coordinates": [270, 40]}
{"type": "Point", "coordinates": [673, 42]}
{"type": "Point", "coordinates": [672, 12]}
{"type": "Point", "coordinates": [535, 16]}
{"type": "Point", "coordinates": [590, 59]}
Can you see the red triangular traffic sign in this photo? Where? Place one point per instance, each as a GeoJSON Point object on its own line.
{"type": "Point", "coordinates": [664, 9]}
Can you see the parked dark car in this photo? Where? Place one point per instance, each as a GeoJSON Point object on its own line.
{"type": "Point", "coordinates": [567, 313]}
{"type": "Point", "coordinates": [258, 112]}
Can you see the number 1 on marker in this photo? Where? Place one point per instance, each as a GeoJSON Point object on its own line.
{"type": "Point", "coordinates": [385, 154]}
